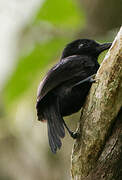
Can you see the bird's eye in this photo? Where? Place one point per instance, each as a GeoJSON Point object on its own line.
{"type": "Point", "coordinates": [81, 45]}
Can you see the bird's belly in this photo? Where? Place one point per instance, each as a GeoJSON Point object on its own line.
{"type": "Point", "coordinates": [71, 100]}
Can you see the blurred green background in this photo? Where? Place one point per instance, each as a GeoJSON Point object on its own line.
{"type": "Point", "coordinates": [32, 37]}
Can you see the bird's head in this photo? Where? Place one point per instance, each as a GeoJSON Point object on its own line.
{"type": "Point", "coordinates": [84, 47]}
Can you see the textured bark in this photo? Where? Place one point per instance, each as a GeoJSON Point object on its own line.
{"type": "Point", "coordinates": [96, 154]}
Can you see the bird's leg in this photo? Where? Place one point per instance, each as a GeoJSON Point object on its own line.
{"type": "Point", "coordinates": [90, 79]}
{"type": "Point", "coordinates": [74, 135]}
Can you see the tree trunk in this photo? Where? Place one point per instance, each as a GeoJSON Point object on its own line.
{"type": "Point", "coordinates": [97, 154]}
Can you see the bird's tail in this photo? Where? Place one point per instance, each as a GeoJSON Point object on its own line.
{"type": "Point", "coordinates": [55, 125]}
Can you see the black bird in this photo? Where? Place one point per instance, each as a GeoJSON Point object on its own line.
{"type": "Point", "coordinates": [64, 88]}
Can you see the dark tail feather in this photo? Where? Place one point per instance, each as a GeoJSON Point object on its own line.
{"type": "Point", "coordinates": [55, 125]}
{"type": "Point", "coordinates": [57, 120]}
{"type": "Point", "coordinates": [54, 140]}
{"type": "Point", "coordinates": [51, 143]}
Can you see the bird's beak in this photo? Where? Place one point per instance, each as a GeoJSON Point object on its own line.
{"type": "Point", "coordinates": [103, 47]}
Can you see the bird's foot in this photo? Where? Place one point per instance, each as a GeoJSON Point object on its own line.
{"type": "Point", "coordinates": [74, 135]}
{"type": "Point", "coordinates": [92, 78]}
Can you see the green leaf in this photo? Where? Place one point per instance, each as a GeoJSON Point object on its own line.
{"type": "Point", "coordinates": [28, 68]}
{"type": "Point", "coordinates": [64, 13]}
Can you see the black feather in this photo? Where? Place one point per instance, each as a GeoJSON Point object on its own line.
{"type": "Point", "coordinates": [57, 118]}
{"type": "Point", "coordinates": [55, 124]}
{"type": "Point", "coordinates": [51, 142]}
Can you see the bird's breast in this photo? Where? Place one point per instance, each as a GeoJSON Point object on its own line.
{"type": "Point", "coordinates": [72, 99]}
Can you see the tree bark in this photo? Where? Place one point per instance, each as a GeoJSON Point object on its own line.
{"type": "Point", "coordinates": [97, 154]}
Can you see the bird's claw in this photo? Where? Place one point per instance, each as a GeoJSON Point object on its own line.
{"type": "Point", "coordinates": [74, 135]}
{"type": "Point", "coordinates": [92, 79]}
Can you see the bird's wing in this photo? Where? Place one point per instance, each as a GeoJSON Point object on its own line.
{"type": "Point", "coordinates": [65, 70]}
